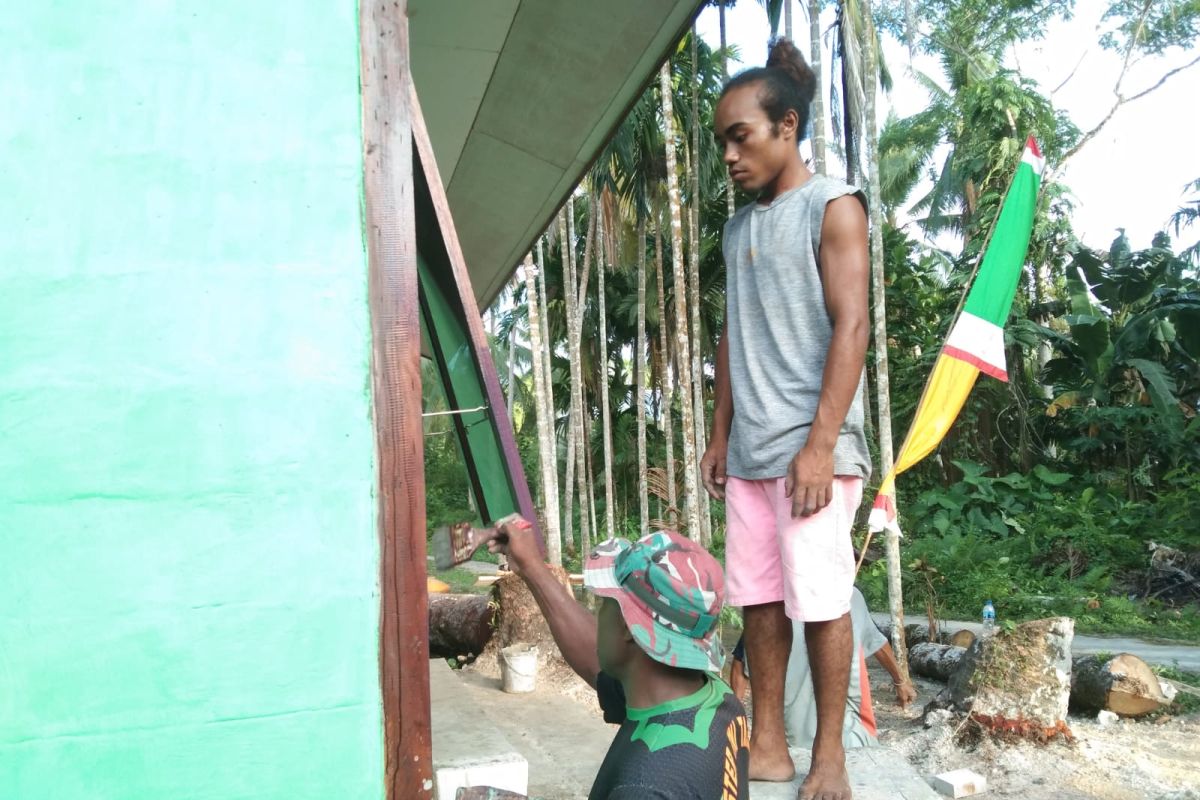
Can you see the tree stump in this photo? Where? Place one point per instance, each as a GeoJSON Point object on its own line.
{"type": "Point", "coordinates": [460, 625]}
{"type": "Point", "coordinates": [1016, 684]}
{"type": "Point", "coordinates": [1124, 684]}
{"type": "Point", "coordinates": [518, 619]}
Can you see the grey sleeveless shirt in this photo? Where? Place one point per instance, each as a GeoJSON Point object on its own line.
{"type": "Point", "coordinates": [779, 334]}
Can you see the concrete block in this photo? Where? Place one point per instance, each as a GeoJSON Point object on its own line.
{"type": "Point", "coordinates": [960, 783]}
{"type": "Point", "coordinates": [510, 774]}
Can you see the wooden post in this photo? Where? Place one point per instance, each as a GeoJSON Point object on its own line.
{"type": "Point", "coordinates": [396, 389]}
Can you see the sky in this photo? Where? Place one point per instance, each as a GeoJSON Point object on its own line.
{"type": "Point", "coordinates": [1131, 175]}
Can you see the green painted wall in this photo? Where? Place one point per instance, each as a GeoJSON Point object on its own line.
{"type": "Point", "coordinates": [188, 554]}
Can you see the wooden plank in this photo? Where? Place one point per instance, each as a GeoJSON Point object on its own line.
{"type": "Point", "coordinates": [427, 164]}
{"type": "Point", "coordinates": [396, 386]}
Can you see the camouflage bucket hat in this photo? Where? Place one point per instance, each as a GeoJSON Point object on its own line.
{"type": "Point", "coordinates": [670, 591]}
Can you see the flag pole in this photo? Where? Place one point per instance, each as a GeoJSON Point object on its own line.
{"type": "Point", "coordinates": [962, 300]}
{"type": "Point", "coordinates": [893, 531]}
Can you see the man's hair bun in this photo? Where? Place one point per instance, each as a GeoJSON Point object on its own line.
{"type": "Point", "coordinates": [788, 83]}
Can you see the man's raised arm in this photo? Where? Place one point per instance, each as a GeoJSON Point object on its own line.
{"type": "Point", "coordinates": [573, 627]}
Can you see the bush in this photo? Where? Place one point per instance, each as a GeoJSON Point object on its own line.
{"type": "Point", "coordinates": [1042, 544]}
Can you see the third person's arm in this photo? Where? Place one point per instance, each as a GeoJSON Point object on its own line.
{"type": "Point", "coordinates": [712, 465]}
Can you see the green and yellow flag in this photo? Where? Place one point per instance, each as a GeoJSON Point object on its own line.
{"type": "Point", "coordinates": [976, 340]}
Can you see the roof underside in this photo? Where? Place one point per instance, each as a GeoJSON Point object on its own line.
{"type": "Point", "coordinates": [519, 97]}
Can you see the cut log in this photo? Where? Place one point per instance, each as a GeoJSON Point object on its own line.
{"type": "Point", "coordinates": [963, 638]}
{"type": "Point", "coordinates": [459, 625]}
{"type": "Point", "coordinates": [1016, 683]}
{"type": "Point", "coordinates": [1124, 684]}
{"type": "Point", "coordinates": [939, 661]}
{"type": "Point", "coordinates": [914, 633]}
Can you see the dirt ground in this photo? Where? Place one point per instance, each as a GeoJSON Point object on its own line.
{"type": "Point", "coordinates": [1127, 760]}
{"type": "Point", "coordinates": [1156, 759]}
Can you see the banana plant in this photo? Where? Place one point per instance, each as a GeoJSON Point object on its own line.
{"type": "Point", "coordinates": [1133, 331]}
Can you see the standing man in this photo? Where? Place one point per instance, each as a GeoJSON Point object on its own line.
{"type": "Point", "coordinates": [859, 728]}
{"type": "Point", "coordinates": [788, 422]}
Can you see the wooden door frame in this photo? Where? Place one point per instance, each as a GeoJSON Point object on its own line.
{"type": "Point", "coordinates": [390, 231]}
{"type": "Point", "coordinates": [398, 164]}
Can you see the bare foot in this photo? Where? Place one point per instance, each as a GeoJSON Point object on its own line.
{"type": "Point", "coordinates": [827, 780]}
{"type": "Point", "coordinates": [770, 760]}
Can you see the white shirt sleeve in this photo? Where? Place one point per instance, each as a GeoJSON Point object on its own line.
{"type": "Point", "coordinates": [866, 634]}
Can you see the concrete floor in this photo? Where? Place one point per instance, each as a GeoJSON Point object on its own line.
{"type": "Point", "coordinates": [564, 742]}
{"type": "Point", "coordinates": [876, 773]}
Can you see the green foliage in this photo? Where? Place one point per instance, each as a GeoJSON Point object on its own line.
{"type": "Point", "coordinates": [1185, 217]}
{"type": "Point", "coordinates": [1185, 702]}
{"type": "Point", "coordinates": [1126, 365]}
{"type": "Point", "coordinates": [1044, 543]}
{"type": "Point", "coordinates": [1042, 501]}
{"type": "Point", "coordinates": [1150, 28]}
{"type": "Point", "coordinates": [461, 581]}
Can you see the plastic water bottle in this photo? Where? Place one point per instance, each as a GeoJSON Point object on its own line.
{"type": "Point", "coordinates": [989, 618]}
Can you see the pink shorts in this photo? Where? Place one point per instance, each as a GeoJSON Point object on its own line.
{"type": "Point", "coordinates": [808, 563]}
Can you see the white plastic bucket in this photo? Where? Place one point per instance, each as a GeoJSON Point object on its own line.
{"type": "Point", "coordinates": [518, 668]}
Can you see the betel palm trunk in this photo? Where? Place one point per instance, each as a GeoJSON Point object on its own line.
{"type": "Point", "coordinates": [639, 365]}
{"type": "Point", "coordinates": [605, 418]}
{"type": "Point", "coordinates": [512, 373]}
{"type": "Point", "coordinates": [587, 515]}
{"type": "Point", "coordinates": [882, 388]}
{"type": "Point", "coordinates": [568, 313]}
{"type": "Point", "coordinates": [818, 103]}
{"type": "Point", "coordinates": [547, 369]}
{"type": "Point", "coordinates": [729, 205]}
{"type": "Point", "coordinates": [849, 47]}
{"type": "Point", "coordinates": [666, 386]}
{"type": "Point", "coordinates": [545, 425]}
{"type": "Point", "coordinates": [682, 348]}
{"type": "Point", "coordinates": [697, 371]}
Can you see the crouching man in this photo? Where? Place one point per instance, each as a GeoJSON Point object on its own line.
{"type": "Point", "coordinates": [653, 656]}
